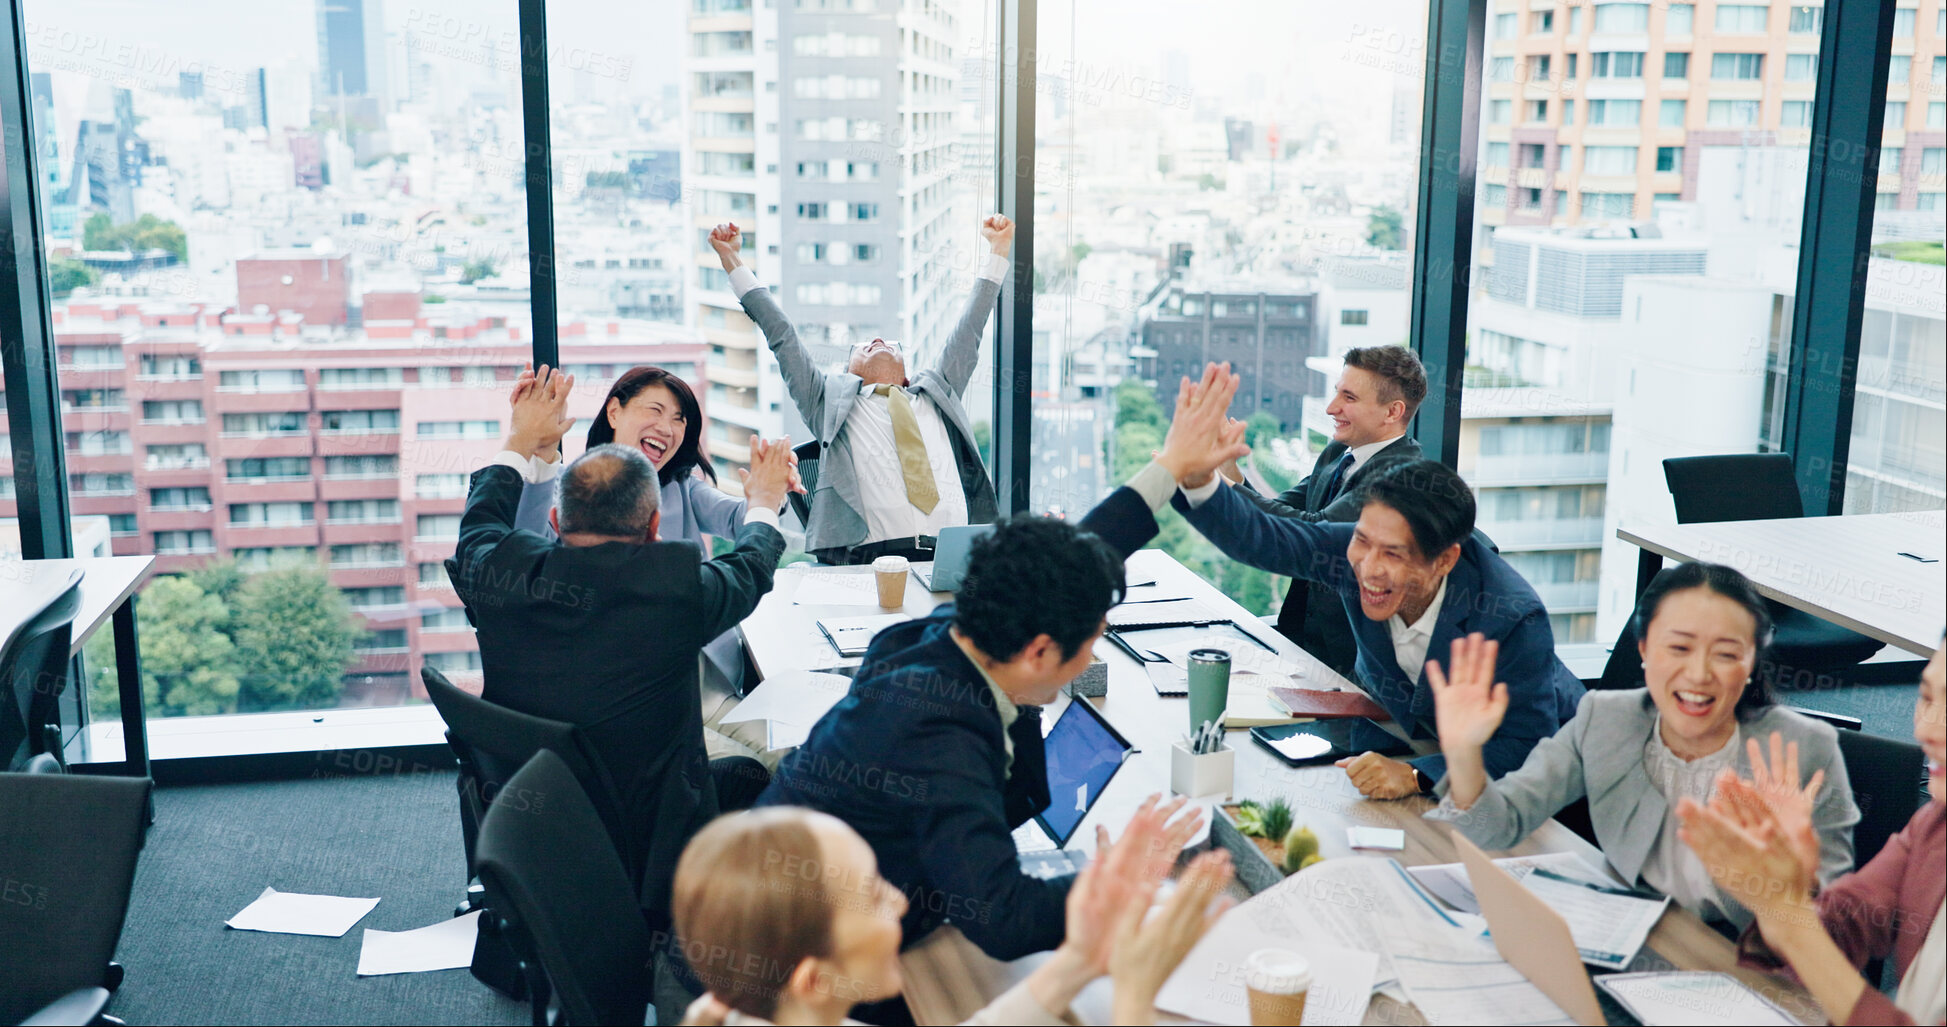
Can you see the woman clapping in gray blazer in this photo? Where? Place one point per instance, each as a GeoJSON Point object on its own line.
{"type": "Point", "coordinates": [1635, 753]}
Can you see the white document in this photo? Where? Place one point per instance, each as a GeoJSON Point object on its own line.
{"type": "Point", "coordinates": [1449, 880]}
{"type": "Point", "coordinates": [1355, 902]}
{"type": "Point", "coordinates": [447, 945]}
{"type": "Point", "coordinates": [1453, 985]}
{"type": "Point", "coordinates": [1692, 998]}
{"type": "Point", "coordinates": [792, 702]}
{"type": "Point", "coordinates": [828, 587]}
{"type": "Point", "coordinates": [282, 912]}
{"type": "Point", "coordinates": [1209, 984]}
{"type": "Point", "coordinates": [1609, 925]}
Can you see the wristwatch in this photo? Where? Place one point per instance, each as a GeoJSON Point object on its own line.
{"type": "Point", "coordinates": [1426, 783]}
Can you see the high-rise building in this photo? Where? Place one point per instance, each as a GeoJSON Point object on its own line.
{"type": "Point", "coordinates": [1594, 113]}
{"type": "Point", "coordinates": [827, 135]}
{"type": "Point", "coordinates": [1266, 330]}
{"type": "Point", "coordinates": [351, 51]}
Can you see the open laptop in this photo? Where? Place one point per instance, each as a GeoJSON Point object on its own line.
{"type": "Point", "coordinates": [1533, 938]}
{"type": "Point", "coordinates": [952, 549]}
{"type": "Point", "coordinates": [1084, 751]}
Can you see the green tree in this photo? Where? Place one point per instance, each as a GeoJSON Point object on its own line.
{"type": "Point", "coordinates": [294, 635]}
{"type": "Point", "coordinates": [222, 578]}
{"type": "Point", "coordinates": [1208, 181]}
{"type": "Point", "coordinates": [1260, 429]}
{"type": "Point", "coordinates": [64, 275]}
{"type": "Point", "coordinates": [984, 441]}
{"type": "Point", "coordinates": [98, 232]}
{"type": "Point", "coordinates": [1078, 253]}
{"type": "Point", "coordinates": [474, 270]}
{"type": "Point", "coordinates": [1384, 228]}
{"type": "Point", "coordinates": [149, 232]}
{"type": "Point", "coordinates": [1135, 402]}
{"type": "Point", "coordinates": [189, 665]}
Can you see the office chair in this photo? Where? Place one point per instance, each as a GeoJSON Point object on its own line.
{"type": "Point", "coordinates": [77, 858]}
{"type": "Point", "coordinates": [491, 743]}
{"type": "Point", "coordinates": [1886, 781]}
{"type": "Point", "coordinates": [562, 897]}
{"type": "Point", "coordinates": [34, 668]}
{"type": "Point", "coordinates": [807, 454]}
{"type": "Point", "coordinates": [1762, 487]}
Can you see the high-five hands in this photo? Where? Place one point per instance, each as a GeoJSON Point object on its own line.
{"type": "Point", "coordinates": [998, 230]}
{"type": "Point", "coordinates": [1202, 435]}
{"type": "Point", "coordinates": [540, 412]}
{"type": "Point", "coordinates": [726, 239]}
{"type": "Point", "coordinates": [770, 474]}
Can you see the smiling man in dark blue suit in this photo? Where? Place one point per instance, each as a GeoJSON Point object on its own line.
{"type": "Point", "coordinates": [1412, 576]}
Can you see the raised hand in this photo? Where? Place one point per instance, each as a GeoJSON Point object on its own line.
{"type": "Point", "coordinates": [1468, 705]}
{"type": "Point", "coordinates": [998, 230]}
{"type": "Point", "coordinates": [769, 476]}
{"type": "Point", "coordinates": [1202, 435]}
{"type": "Point", "coordinates": [1148, 949]}
{"type": "Point", "coordinates": [727, 240]}
{"type": "Point", "coordinates": [540, 412]}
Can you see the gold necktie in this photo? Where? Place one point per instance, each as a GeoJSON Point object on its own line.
{"type": "Point", "coordinates": [913, 465]}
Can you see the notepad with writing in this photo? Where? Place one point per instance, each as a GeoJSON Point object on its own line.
{"type": "Point", "coordinates": [851, 636]}
{"type": "Point", "coordinates": [1318, 705]}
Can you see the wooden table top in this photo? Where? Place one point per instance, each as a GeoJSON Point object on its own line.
{"type": "Point", "coordinates": [1858, 571]}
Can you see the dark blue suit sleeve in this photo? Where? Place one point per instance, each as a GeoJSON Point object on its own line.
{"type": "Point", "coordinates": [1282, 545]}
{"type": "Point", "coordinates": [1122, 520]}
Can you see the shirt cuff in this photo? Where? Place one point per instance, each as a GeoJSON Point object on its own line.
{"type": "Point", "coordinates": [533, 469]}
{"type": "Point", "coordinates": [761, 516]}
{"type": "Point", "coordinates": [1155, 485]}
{"type": "Point", "coordinates": [995, 268]}
{"type": "Point", "coordinates": [1201, 494]}
{"type": "Point", "coordinates": [742, 280]}
{"type": "Point", "coordinates": [540, 471]}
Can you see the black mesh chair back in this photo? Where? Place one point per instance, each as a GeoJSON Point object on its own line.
{"type": "Point", "coordinates": [69, 855]}
{"type": "Point", "coordinates": [1733, 487]}
{"type": "Point", "coordinates": [563, 899]}
{"type": "Point", "coordinates": [34, 668]}
{"type": "Point", "coordinates": [492, 743]}
{"type": "Point", "coordinates": [807, 454]}
{"type": "Point", "coordinates": [1886, 781]}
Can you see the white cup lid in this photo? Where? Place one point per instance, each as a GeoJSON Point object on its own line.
{"type": "Point", "coordinates": [1278, 972]}
{"type": "Point", "coordinates": [889, 563]}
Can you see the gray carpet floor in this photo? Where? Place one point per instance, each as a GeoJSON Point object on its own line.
{"type": "Point", "coordinates": [214, 848]}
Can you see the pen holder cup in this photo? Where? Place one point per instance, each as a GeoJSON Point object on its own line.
{"type": "Point", "coordinates": [1193, 775]}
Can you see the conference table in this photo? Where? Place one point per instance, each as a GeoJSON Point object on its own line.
{"type": "Point", "coordinates": [948, 979]}
{"type": "Point", "coordinates": [108, 586]}
{"type": "Point", "coordinates": [1877, 574]}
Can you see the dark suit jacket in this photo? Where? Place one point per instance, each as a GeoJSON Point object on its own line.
{"type": "Point", "coordinates": [912, 758]}
{"type": "Point", "coordinates": [607, 637]}
{"type": "Point", "coordinates": [1484, 594]}
{"type": "Point", "coordinates": [1317, 621]}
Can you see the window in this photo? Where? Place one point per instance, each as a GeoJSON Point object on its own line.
{"type": "Point", "coordinates": [1795, 114]}
{"type": "Point", "coordinates": [1615, 113]}
{"type": "Point", "coordinates": [1572, 58]}
{"type": "Point", "coordinates": [366, 554]}
{"type": "Point", "coordinates": [169, 366]}
{"type": "Point", "coordinates": [440, 486]}
{"type": "Point", "coordinates": [1669, 159]}
{"type": "Point", "coordinates": [1537, 110]}
{"type": "Point", "coordinates": [1732, 113]}
{"type": "Point", "coordinates": [383, 640]}
{"type": "Point", "coordinates": [1669, 113]}
{"type": "Point", "coordinates": [1676, 65]}
{"type": "Point", "coordinates": [1622, 18]}
{"type": "Point", "coordinates": [1805, 20]}
{"type": "Point", "coordinates": [192, 498]}
{"type": "Point", "coordinates": [1609, 160]}
{"type": "Point", "coordinates": [284, 380]}
{"type": "Point", "coordinates": [1497, 155]}
{"type": "Point", "coordinates": [183, 543]}
{"type": "Point", "coordinates": [258, 515]}
{"type": "Point", "coordinates": [359, 422]}
{"type": "Point", "coordinates": [1889, 159]}
{"type": "Point", "coordinates": [93, 399]}
{"type": "Point", "coordinates": [1574, 21]}
{"type": "Point", "coordinates": [99, 443]}
{"type": "Point", "coordinates": [1352, 317]}
{"type": "Point", "coordinates": [447, 618]}
{"type": "Point", "coordinates": [361, 378]}
{"type": "Point", "coordinates": [1936, 114]}
{"type": "Point", "coordinates": [1538, 68]}
{"type": "Point", "coordinates": [118, 524]}
{"type": "Point", "coordinates": [275, 468]}
{"type": "Point", "coordinates": [176, 456]}
{"type": "Point", "coordinates": [172, 411]}
{"type": "Point", "coordinates": [1618, 64]}
{"type": "Point", "coordinates": [362, 511]}
{"type": "Point", "coordinates": [1742, 18]}
{"type": "Point", "coordinates": [467, 662]}
{"type": "Point", "coordinates": [94, 358]}
{"type": "Point", "coordinates": [1903, 23]}
{"type": "Point", "coordinates": [1568, 110]}
{"type": "Point", "coordinates": [438, 527]}
{"type": "Point", "coordinates": [1608, 205]}
{"type": "Point", "coordinates": [1899, 69]}
{"type": "Point", "coordinates": [1533, 155]}
{"type": "Point", "coordinates": [459, 429]}
{"type": "Point", "coordinates": [1678, 20]}
{"type": "Point", "coordinates": [1541, 21]}
{"type": "Point", "coordinates": [264, 424]}
{"type": "Point", "coordinates": [1499, 112]}
{"type": "Point", "coordinates": [433, 576]}
{"type": "Point", "coordinates": [1494, 196]}
{"type": "Point", "coordinates": [383, 466]}
{"type": "Point", "coordinates": [1505, 26]}
{"type": "Point", "coordinates": [1940, 65]}
{"type": "Point", "coordinates": [1500, 69]}
{"type": "Point", "coordinates": [101, 483]}
{"type": "Point", "coordinates": [375, 596]}
{"type": "Point", "coordinates": [1895, 115]}
{"type": "Point", "coordinates": [1932, 164]}
{"type": "Point", "coordinates": [1737, 66]}
{"type": "Point", "coordinates": [1801, 67]}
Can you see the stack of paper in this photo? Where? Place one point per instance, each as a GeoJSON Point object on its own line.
{"type": "Point", "coordinates": [1209, 984]}
{"type": "Point", "coordinates": [1609, 923]}
{"type": "Point", "coordinates": [791, 703]}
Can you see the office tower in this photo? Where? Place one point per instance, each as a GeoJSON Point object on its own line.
{"type": "Point", "coordinates": [827, 135]}
{"type": "Point", "coordinates": [1594, 113]}
{"type": "Point", "coordinates": [278, 97]}
{"type": "Point", "coordinates": [1266, 330]}
{"type": "Point", "coordinates": [351, 53]}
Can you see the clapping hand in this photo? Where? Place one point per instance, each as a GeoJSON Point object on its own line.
{"type": "Point", "coordinates": [1202, 434]}
{"type": "Point", "coordinates": [1149, 948]}
{"type": "Point", "coordinates": [1752, 862]}
{"type": "Point", "coordinates": [1122, 874]}
{"type": "Point", "coordinates": [540, 412]}
{"type": "Point", "coordinates": [770, 474]}
{"type": "Point", "coordinates": [1773, 800]}
{"type": "Point", "coordinates": [1469, 705]}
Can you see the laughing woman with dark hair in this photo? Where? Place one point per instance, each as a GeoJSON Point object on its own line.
{"type": "Point", "coordinates": [650, 409]}
{"type": "Point", "coordinates": [1636, 753]}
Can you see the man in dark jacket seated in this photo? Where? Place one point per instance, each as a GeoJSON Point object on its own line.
{"type": "Point", "coordinates": [935, 754]}
{"type": "Point", "coordinates": [1412, 576]}
{"type": "Point", "coordinates": [601, 627]}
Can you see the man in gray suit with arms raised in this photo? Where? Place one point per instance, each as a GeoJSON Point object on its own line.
{"type": "Point", "coordinates": [897, 459]}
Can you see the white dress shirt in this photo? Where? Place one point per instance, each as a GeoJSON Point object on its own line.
{"type": "Point", "coordinates": [535, 470]}
{"type": "Point", "coordinates": [1360, 454]}
{"type": "Point", "coordinates": [888, 513]}
{"type": "Point", "coordinates": [1410, 641]}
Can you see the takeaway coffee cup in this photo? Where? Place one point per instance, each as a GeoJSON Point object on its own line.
{"type": "Point", "coordinates": [891, 572]}
{"type": "Point", "coordinates": [1277, 981]}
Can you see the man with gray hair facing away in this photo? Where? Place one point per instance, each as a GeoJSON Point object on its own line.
{"type": "Point", "coordinates": [602, 626]}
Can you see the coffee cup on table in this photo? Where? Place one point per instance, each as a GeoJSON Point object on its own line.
{"type": "Point", "coordinates": [1277, 981]}
{"type": "Point", "coordinates": [891, 573]}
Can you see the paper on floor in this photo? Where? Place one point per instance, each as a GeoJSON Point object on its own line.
{"type": "Point", "coordinates": [1209, 984]}
{"type": "Point", "coordinates": [447, 945]}
{"type": "Point", "coordinates": [282, 912]}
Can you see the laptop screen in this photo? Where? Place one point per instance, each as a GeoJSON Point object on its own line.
{"type": "Point", "coordinates": [1084, 752]}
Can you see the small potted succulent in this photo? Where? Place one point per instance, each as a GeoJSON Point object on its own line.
{"type": "Point", "coordinates": [1265, 841]}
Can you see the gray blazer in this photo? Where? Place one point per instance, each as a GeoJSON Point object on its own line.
{"type": "Point", "coordinates": [825, 398]}
{"type": "Point", "coordinates": [1599, 754]}
{"type": "Point", "coordinates": [691, 508]}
